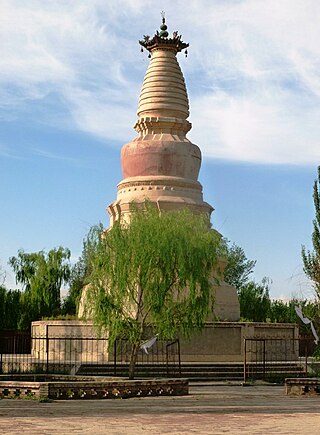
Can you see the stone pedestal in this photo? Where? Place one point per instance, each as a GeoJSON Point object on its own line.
{"type": "Point", "coordinates": [217, 342]}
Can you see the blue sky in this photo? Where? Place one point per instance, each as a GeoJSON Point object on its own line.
{"type": "Point", "coordinates": [70, 77]}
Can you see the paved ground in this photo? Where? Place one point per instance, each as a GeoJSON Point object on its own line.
{"type": "Point", "coordinates": [210, 409]}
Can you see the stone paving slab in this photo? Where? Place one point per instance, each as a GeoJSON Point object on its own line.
{"type": "Point", "coordinates": [209, 409]}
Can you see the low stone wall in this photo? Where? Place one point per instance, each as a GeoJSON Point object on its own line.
{"type": "Point", "coordinates": [82, 388]}
{"type": "Point", "coordinates": [302, 386]}
{"type": "Point", "coordinates": [224, 341]}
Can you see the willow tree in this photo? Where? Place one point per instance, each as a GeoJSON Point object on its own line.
{"type": "Point", "coordinates": [155, 272]}
{"type": "Point", "coordinates": [41, 276]}
{"type": "Point", "coordinates": [311, 259]}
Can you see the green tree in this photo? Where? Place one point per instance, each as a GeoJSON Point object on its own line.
{"type": "Point", "coordinates": [239, 268]}
{"type": "Point", "coordinates": [10, 308]}
{"type": "Point", "coordinates": [311, 259]}
{"type": "Point", "coordinates": [282, 312]}
{"type": "Point", "coordinates": [3, 294]}
{"type": "Point", "coordinates": [155, 273]}
{"type": "Point", "coordinates": [255, 301]}
{"type": "Point", "coordinates": [13, 309]}
{"type": "Point", "coordinates": [41, 276]}
{"type": "Point", "coordinates": [253, 297]}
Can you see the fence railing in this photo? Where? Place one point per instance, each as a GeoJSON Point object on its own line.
{"type": "Point", "coordinates": [162, 359]}
{"type": "Point", "coordinates": [263, 358]}
{"type": "Point", "coordinates": [62, 355]}
{"type": "Point", "coordinates": [274, 358]}
{"type": "Point", "coordinates": [67, 355]}
{"type": "Point", "coordinates": [12, 341]}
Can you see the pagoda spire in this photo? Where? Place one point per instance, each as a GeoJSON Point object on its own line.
{"type": "Point", "coordinates": [161, 164]}
{"type": "Point", "coordinates": [164, 92]}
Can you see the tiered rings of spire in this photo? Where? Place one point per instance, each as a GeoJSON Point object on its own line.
{"type": "Point", "coordinates": [164, 91]}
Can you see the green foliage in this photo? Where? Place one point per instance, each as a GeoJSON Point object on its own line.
{"type": "Point", "coordinates": [239, 268]}
{"type": "Point", "coordinates": [41, 276]}
{"type": "Point", "coordinates": [255, 301]}
{"type": "Point", "coordinates": [154, 272]}
{"type": "Point", "coordinates": [253, 297]}
{"type": "Point", "coordinates": [45, 399]}
{"type": "Point", "coordinates": [256, 306]}
{"type": "Point", "coordinates": [311, 259]}
{"type": "Point", "coordinates": [284, 312]}
{"type": "Point", "coordinates": [316, 354]}
{"type": "Point", "coordinates": [10, 308]}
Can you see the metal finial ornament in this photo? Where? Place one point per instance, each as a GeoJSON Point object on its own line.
{"type": "Point", "coordinates": [163, 40]}
{"type": "Point", "coordinates": [163, 27]}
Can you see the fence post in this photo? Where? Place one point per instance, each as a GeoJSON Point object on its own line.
{"type": "Point", "coordinates": [115, 358]}
{"type": "Point", "coordinates": [264, 358]}
{"type": "Point", "coordinates": [175, 343]}
{"type": "Point", "coordinates": [47, 349]}
{"type": "Point", "coordinates": [245, 362]}
{"type": "Point", "coordinates": [306, 353]}
{"type": "Point", "coordinates": [179, 357]}
{"type": "Point", "coordinates": [167, 360]}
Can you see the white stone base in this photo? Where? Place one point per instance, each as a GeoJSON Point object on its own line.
{"type": "Point", "coordinates": [217, 342]}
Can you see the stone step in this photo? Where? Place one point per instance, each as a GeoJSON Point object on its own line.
{"type": "Point", "coordinates": [201, 372]}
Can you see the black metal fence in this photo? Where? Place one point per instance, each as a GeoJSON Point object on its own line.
{"type": "Point", "coordinates": [268, 359]}
{"type": "Point", "coordinates": [162, 359]}
{"type": "Point", "coordinates": [273, 359]}
{"type": "Point", "coordinates": [59, 355]}
{"type": "Point", "coordinates": [91, 356]}
{"type": "Point", "coordinates": [12, 341]}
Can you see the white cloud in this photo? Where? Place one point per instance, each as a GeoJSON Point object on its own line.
{"type": "Point", "coordinates": [261, 99]}
{"type": "Point", "coordinates": [104, 114]}
{"type": "Point", "coordinates": [244, 128]}
{"type": "Point", "coordinates": [252, 72]}
{"type": "Point", "coordinates": [57, 47]}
